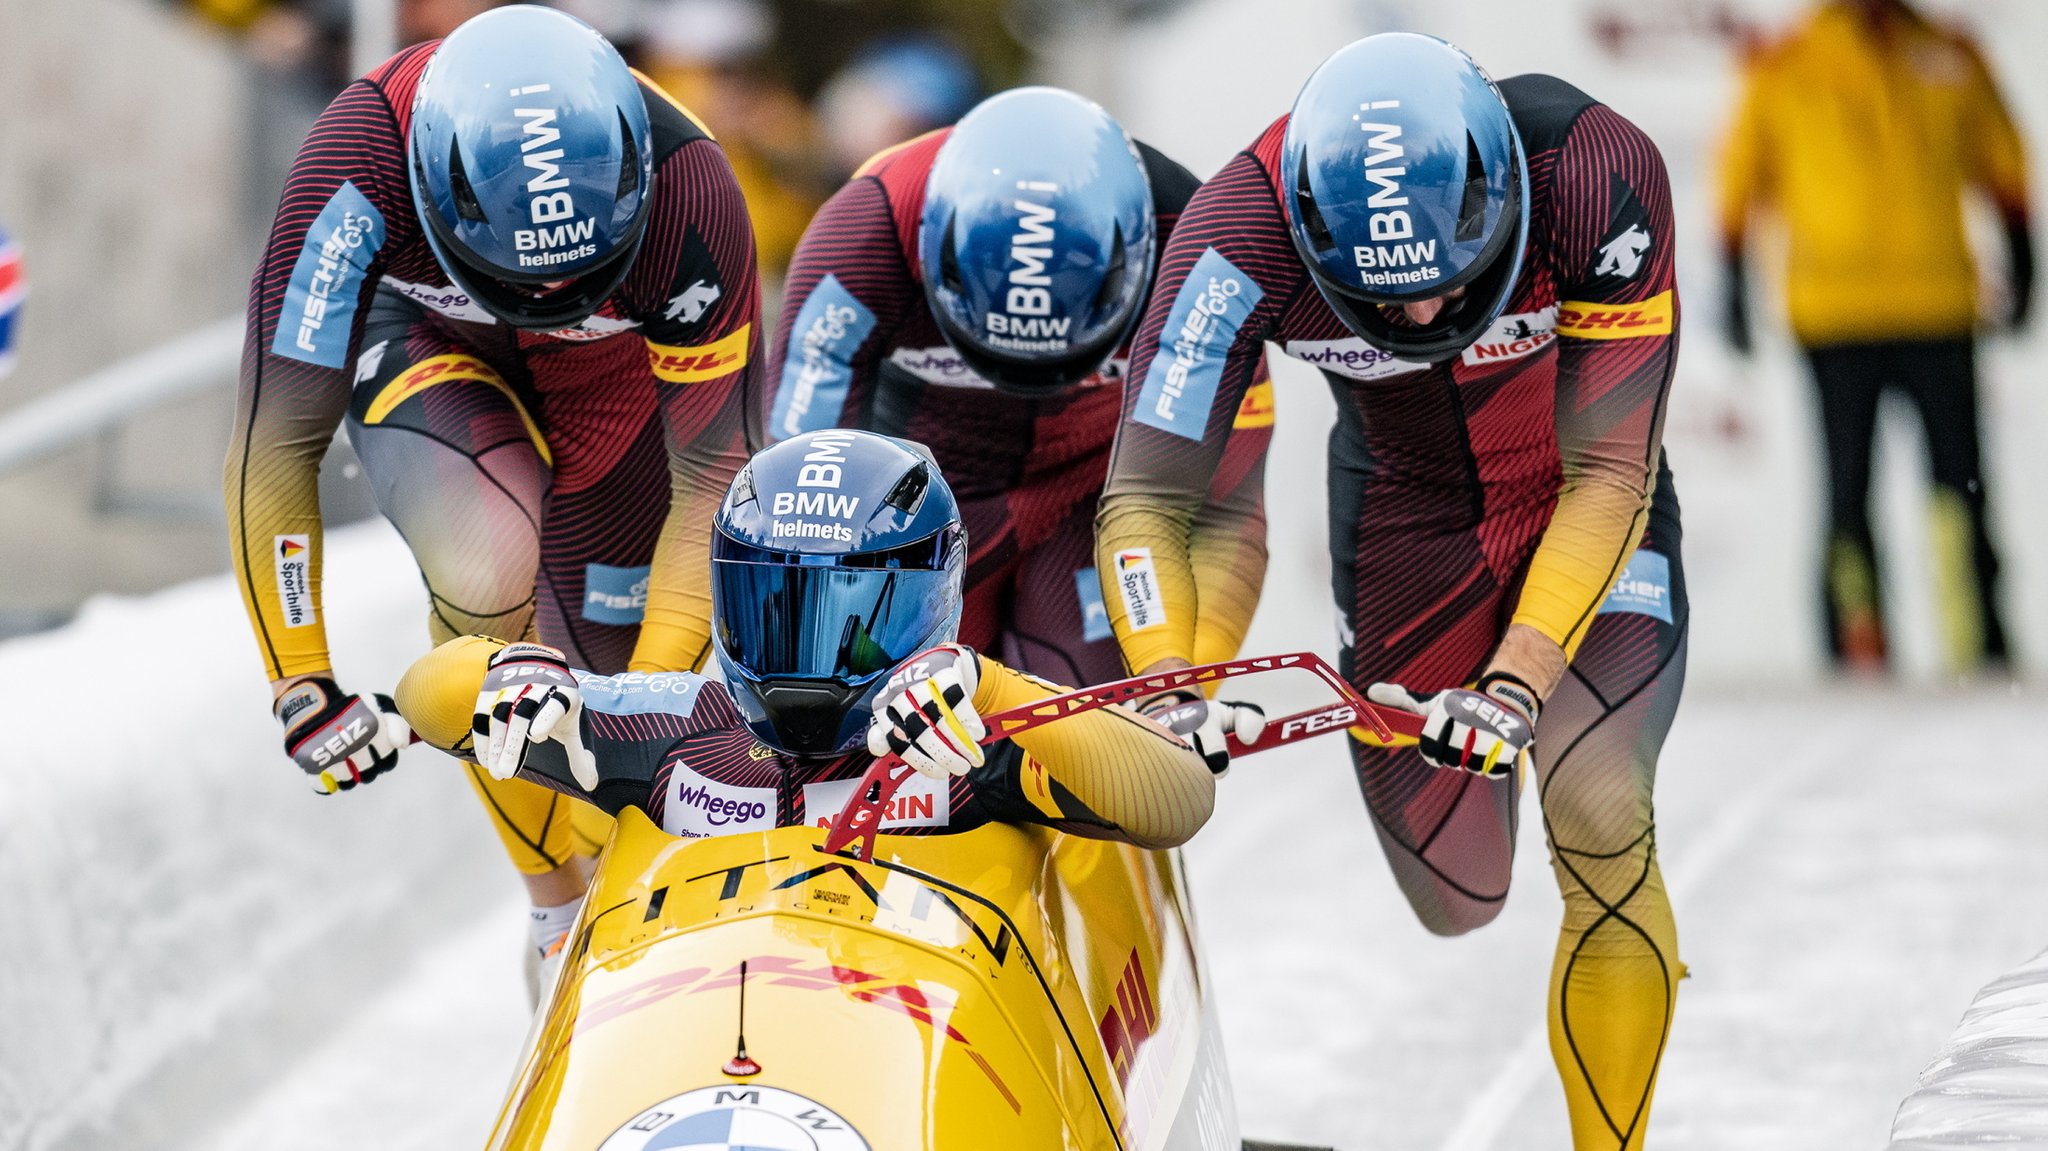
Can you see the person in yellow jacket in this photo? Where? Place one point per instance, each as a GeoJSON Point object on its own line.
{"type": "Point", "coordinates": [1860, 132]}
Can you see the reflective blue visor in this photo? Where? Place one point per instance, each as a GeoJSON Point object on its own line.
{"type": "Point", "coordinates": [787, 620]}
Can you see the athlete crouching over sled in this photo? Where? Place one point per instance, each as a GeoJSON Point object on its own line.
{"type": "Point", "coordinates": [836, 573]}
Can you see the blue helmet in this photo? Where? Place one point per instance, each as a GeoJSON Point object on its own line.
{"type": "Point", "coordinates": [836, 556]}
{"type": "Point", "coordinates": [1036, 239]}
{"type": "Point", "coordinates": [1404, 179]}
{"type": "Point", "coordinates": [531, 165]}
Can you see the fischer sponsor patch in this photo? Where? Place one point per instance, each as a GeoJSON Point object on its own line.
{"type": "Point", "coordinates": [1512, 337]}
{"type": "Point", "coordinates": [615, 595]}
{"type": "Point", "coordinates": [1094, 613]}
{"type": "Point", "coordinates": [1181, 382]}
{"type": "Point", "coordinates": [737, 1117]}
{"type": "Point", "coordinates": [1643, 589]}
{"type": "Point", "coordinates": [920, 802]}
{"type": "Point", "coordinates": [293, 556]}
{"type": "Point", "coordinates": [634, 692]}
{"type": "Point", "coordinates": [819, 369]}
{"type": "Point", "coordinates": [1651, 317]}
{"type": "Point", "coordinates": [694, 365]}
{"type": "Point", "coordinates": [699, 807]}
{"type": "Point", "coordinates": [320, 298]}
{"type": "Point", "coordinates": [1352, 358]}
{"type": "Point", "coordinates": [1138, 582]}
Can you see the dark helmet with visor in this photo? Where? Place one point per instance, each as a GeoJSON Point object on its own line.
{"type": "Point", "coordinates": [531, 165]}
{"type": "Point", "coordinates": [837, 555]}
{"type": "Point", "coordinates": [1404, 179]}
{"type": "Point", "coordinates": [1036, 241]}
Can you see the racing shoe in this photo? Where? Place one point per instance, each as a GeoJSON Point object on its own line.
{"type": "Point", "coordinates": [543, 967]}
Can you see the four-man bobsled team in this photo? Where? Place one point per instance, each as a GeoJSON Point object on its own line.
{"type": "Point", "coordinates": [1009, 433]}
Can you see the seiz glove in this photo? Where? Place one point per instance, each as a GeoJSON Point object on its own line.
{"type": "Point", "coordinates": [340, 740]}
{"type": "Point", "coordinates": [1203, 724]}
{"type": "Point", "coordinates": [925, 712]}
{"type": "Point", "coordinates": [1483, 730]}
{"type": "Point", "coordinates": [530, 696]}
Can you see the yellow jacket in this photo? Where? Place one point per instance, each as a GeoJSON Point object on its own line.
{"type": "Point", "coordinates": [1862, 146]}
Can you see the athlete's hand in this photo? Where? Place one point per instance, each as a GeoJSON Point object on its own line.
{"type": "Point", "coordinates": [340, 740]}
{"type": "Point", "coordinates": [925, 712]}
{"type": "Point", "coordinates": [530, 696]}
{"type": "Point", "coordinates": [1483, 731]}
{"type": "Point", "coordinates": [1205, 724]}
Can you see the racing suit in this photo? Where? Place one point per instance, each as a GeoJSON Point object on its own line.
{"type": "Point", "coordinates": [1523, 483]}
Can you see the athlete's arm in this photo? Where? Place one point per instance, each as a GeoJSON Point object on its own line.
{"type": "Point", "coordinates": [343, 204]}
{"type": "Point", "coordinates": [848, 291]}
{"type": "Point", "coordinates": [1744, 179]}
{"type": "Point", "coordinates": [1223, 276]}
{"type": "Point", "coordinates": [1617, 330]}
{"type": "Point", "coordinates": [1103, 774]}
{"type": "Point", "coordinates": [1998, 161]}
{"type": "Point", "coordinates": [703, 341]}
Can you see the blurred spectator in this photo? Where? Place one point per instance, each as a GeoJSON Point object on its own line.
{"type": "Point", "coordinates": [1860, 132]}
{"type": "Point", "coordinates": [716, 57]}
{"type": "Point", "coordinates": [893, 90]}
{"type": "Point", "coordinates": [13, 290]}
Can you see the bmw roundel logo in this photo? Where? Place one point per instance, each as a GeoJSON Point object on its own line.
{"type": "Point", "coordinates": [739, 1117]}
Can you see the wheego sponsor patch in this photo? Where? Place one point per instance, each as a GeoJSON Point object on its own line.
{"type": "Point", "coordinates": [828, 331]}
{"type": "Point", "coordinates": [699, 807]}
{"type": "Point", "coordinates": [1138, 582]}
{"type": "Point", "coordinates": [293, 556]}
{"type": "Point", "coordinates": [738, 1117]}
{"type": "Point", "coordinates": [1644, 587]}
{"type": "Point", "coordinates": [1352, 358]}
{"type": "Point", "coordinates": [1181, 381]}
{"type": "Point", "coordinates": [614, 595]}
{"type": "Point", "coordinates": [1512, 337]}
{"type": "Point", "coordinates": [1094, 613]}
{"type": "Point", "coordinates": [694, 365]}
{"type": "Point", "coordinates": [320, 298]}
{"type": "Point", "coordinates": [920, 802]}
{"type": "Point", "coordinates": [941, 365]}
{"type": "Point", "coordinates": [447, 299]}
{"type": "Point", "coordinates": [1652, 317]}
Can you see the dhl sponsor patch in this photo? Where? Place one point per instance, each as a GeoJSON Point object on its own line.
{"type": "Point", "coordinates": [706, 362]}
{"type": "Point", "coordinates": [1257, 409]}
{"type": "Point", "coordinates": [1651, 317]}
{"type": "Point", "coordinates": [440, 370]}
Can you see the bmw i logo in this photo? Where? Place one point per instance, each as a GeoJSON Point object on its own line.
{"type": "Point", "coordinates": [736, 1118]}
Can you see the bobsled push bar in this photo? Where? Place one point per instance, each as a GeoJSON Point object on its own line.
{"type": "Point", "coordinates": [858, 820]}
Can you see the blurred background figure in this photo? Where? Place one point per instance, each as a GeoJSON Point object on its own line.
{"type": "Point", "coordinates": [13, 289]}
{"type": "Point", "coordinates": [1860, 132]}
{"type": "Point", "coordinates": [896, 89]}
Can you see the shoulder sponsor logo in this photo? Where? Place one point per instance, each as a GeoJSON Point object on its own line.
{"type": "Point", "coordinates": [293, 556]}
{"type": "Point", "coordinates": [1643, 589]}
{"type": "Point", "coordinates": [320, 298]}
{"type": "Point", "coordinates": [1623, 256]}
{"type": "Point", "coordinates": [447, 300]}
{"type": "Point", "coordinates": [920, 802]}
{"type": "Point", "coordinates": [1257, 409]}
{"type": "Point", "coordinates": [690, 304]}
{"type": "Point", "coordinates": [1651, 317]}
{"type": "Point", "coordinates": [1512, 337]}
{"type": "Point", "coordinates": [637, 692]}
{"type": "Point", "coordinates": [700, 807]}
{"type": "Point", "coordinates": [1181, 382]}
{"type": "Point", "coordinates": [739, 1117]}
{"type": "Point", "coordinates": [1138, 582]}
{"type": "Point", "coordinates": [1095, 624]}
{"type": "Point", "coordinates": [695, 365]}
{"type": "Point", "coordinates": [615, 595]}
{"type": "Point", "coordinates": [819, 369]}
{"type": "Point", "coordinates": [1352, 358]}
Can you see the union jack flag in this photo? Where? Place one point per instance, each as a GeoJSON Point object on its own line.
{"type": "Point", "coordinates": [13, 289]}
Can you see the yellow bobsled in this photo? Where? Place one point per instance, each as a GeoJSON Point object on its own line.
{"type": "Point", "coordinates": [1005, 988]}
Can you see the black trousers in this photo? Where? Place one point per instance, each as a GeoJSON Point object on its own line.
{"type": "Point", "coordinates": [1940, 378]}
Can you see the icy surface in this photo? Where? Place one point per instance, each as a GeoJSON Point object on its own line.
{"type": "Point", "coordinates": [1989, 1083]}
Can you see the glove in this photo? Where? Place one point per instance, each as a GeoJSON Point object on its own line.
{"type": "Point", "coordinates": [340, 740]}
{"type": "Point", "coordinates": [530, 696]}
{"type": "Point", "coordinates": [1483, 731]}
{"type": "Point", "coordinates": [925, 712]}
{"type": "Point", "coordinates": [1203, 723]}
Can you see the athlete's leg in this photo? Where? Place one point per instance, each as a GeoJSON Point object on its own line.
{"type": "Point", "coordinates": [1941, 376]}
{"type": "Point", "coordinates": [462, 472]}
{"type": "Point", "coordinates": [1058, 628]}
{"type": "Point", "coordinates": [1848, 380]}
{"type": "Point", "coordinates": [1615, 979]}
